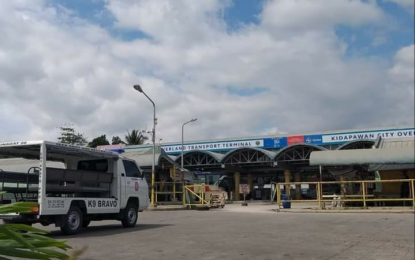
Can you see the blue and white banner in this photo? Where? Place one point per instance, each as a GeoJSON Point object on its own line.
{"type": "Point", "coordinates": [227, 145]}
{"type": "Point", "coordinates": [313, 139]}
{"type": "Point", "coordinates": [277, 142]}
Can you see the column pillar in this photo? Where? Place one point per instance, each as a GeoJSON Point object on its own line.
{"type": "Point", "coordinates": [298, 193]}
{"type": "Point", "coordinates": [287, 176]}
{"type": "Point", "coordinates": [237, 177]}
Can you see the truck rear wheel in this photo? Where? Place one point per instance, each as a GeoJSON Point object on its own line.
{"type": "Point", "coordinates": [72, 221]}
{"type": "Point", "coordinates": [130, 216]}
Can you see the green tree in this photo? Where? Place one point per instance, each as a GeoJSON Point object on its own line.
{"type": "Point", "coordinates": [100, 140]}
{"type": "Point", "coordinates": [135, 137]}
{"type": "Point", "coordinates": [23, 241]}
{"type": "Point", "coordinates": [70, 136]}
{"type": "Point", "coordinates": [117, 140]}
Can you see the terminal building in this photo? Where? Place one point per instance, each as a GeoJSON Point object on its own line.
{"type": "Point", "coordinates": [260, 160]}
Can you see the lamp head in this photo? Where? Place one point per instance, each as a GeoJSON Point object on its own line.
{"type": "Point", "coordinates": [138, 88]}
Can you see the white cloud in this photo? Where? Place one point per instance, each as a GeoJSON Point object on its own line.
{"type": "Point", "coordinates": [171, 21]}
{"type": "Point", "coordinates": [401, 87]}
{"type": "Point", "coordinates": [316, 14]}
{"type": "Point", "coordinates": [408, 4]}
{"type": "Point", "coordinates": [403, 68]}
{"type": "Point", "coordinates": [56, 68]}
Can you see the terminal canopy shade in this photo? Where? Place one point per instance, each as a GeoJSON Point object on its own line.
{"type": "Point", "coordinates": [363, 156]}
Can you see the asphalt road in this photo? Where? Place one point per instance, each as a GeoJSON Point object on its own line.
{"type": "Point", "coordinates": [252, 232]}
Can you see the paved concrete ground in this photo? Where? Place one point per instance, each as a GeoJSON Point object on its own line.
{"type": "Point", "coordinates": [253, 232]}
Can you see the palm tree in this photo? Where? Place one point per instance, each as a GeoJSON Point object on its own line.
{"type": "Point", "coordinates": [135, 137]}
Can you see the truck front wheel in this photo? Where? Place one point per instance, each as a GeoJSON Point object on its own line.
{"type": "Point", "coordinates": [72, 221]}
{"type": "Point", "coordinates": [130, 215]}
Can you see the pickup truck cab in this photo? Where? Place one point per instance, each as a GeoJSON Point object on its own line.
{"type": "Point", "coordinates": [72, 185]}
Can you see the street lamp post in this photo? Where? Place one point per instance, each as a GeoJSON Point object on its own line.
{"type": "Point", "coordinates": [191, 121]}
{"type": "Point", "coordinates": [153, 166]}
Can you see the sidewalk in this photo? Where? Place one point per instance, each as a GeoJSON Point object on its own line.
{"type": "Point", "coordinates": [262, 206]}
{"type": "Point", "coordinates": [166, 208]}
{"type": "Point", "coordinates": [369, 210]}
{"type": "Point", "coordinates": [313, 208]}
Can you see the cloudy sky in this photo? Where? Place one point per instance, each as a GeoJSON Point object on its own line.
{"type": "Point", "coordinates": [242, 67]}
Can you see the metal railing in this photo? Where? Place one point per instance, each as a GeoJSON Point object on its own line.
{"type": "Point", "coordinates": [198, 191]}
{"type": "Point", "coordinates": [172, 189]}
{"type": "Point", "coordinates": [362, 196]}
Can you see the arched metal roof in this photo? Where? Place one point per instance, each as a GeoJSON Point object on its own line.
{"type": "Point", "coordinates": [245, 155]}
{"type": "Point", "coordinates": [297, 153]}
{"type": "Point", "coordinates": [357, 144]}
{"type": "Point", "coordinates": [200, 158]}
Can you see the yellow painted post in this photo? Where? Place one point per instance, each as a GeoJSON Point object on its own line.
{"type": "Point", "coordinates": [184, 195]}
{"type": "Point", "coordinates": [155, 194]}
{"type": "Point", "coordinates": [278, 195]}
{"type": "Point", "coordinates": [363, 187]}
{"type": "Point", "coordinates": [413, 193]}
{"type": "Point", "coordinates": [237, 177]}
{"type": "Point", "coordinates": [153, 180]}
{"type": "Point", "coordinates": [203, 194]}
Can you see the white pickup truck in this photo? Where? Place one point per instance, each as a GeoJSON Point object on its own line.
{"type": "Point", "coordinates": [72, 185]}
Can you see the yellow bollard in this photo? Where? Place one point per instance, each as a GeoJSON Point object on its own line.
{"type": "Point", "coordinates": [278, 195]}
{"type": "Point", "coordinates": [363, 187]}
{"type": "Point", "coordinates": [203, 194]}
{"type": "Point", "coordinates": [413, 193]}
{"type": "Point", "coordinates": [184, 195]}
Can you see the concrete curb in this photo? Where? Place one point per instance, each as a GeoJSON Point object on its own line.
{"type": "Point", "coordinates": [166, 209]}
{"type": "Point", "coordinates": [343, 211]}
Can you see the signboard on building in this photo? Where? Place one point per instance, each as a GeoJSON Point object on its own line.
{"type": "Point", "coordinates": [277, 142]}
{"type": "Point", "coordinates": [372, 135]}
{"type": "Point", "coordinates": [226, 145]}
{"type": "Point", "coordinates": [284, 141]}
{"type": "Point", "coordinates": [297, 139]}
{"type": "Point", "coordinates": [313, 139]}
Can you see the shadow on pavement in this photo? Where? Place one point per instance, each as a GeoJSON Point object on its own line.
{"type": "Point", "coordinates": [106, 230]}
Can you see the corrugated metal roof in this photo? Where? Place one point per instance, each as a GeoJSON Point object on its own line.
{"type": "Point", "coordinates": [403, 155]}
{"type": "Point", "coordinates": [397, 143]}
{"type": "Point", "coordinates": [270, 154]}
{"type": "Point", "coordinates": [145, 158]}
{"type": "Point", "coordinates": [217, 156]}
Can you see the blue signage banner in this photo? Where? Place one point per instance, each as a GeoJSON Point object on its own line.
{"type": "Point", "coordinates": [277, 142]}
{"type": "Point", "coordinates": [313, 139]}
